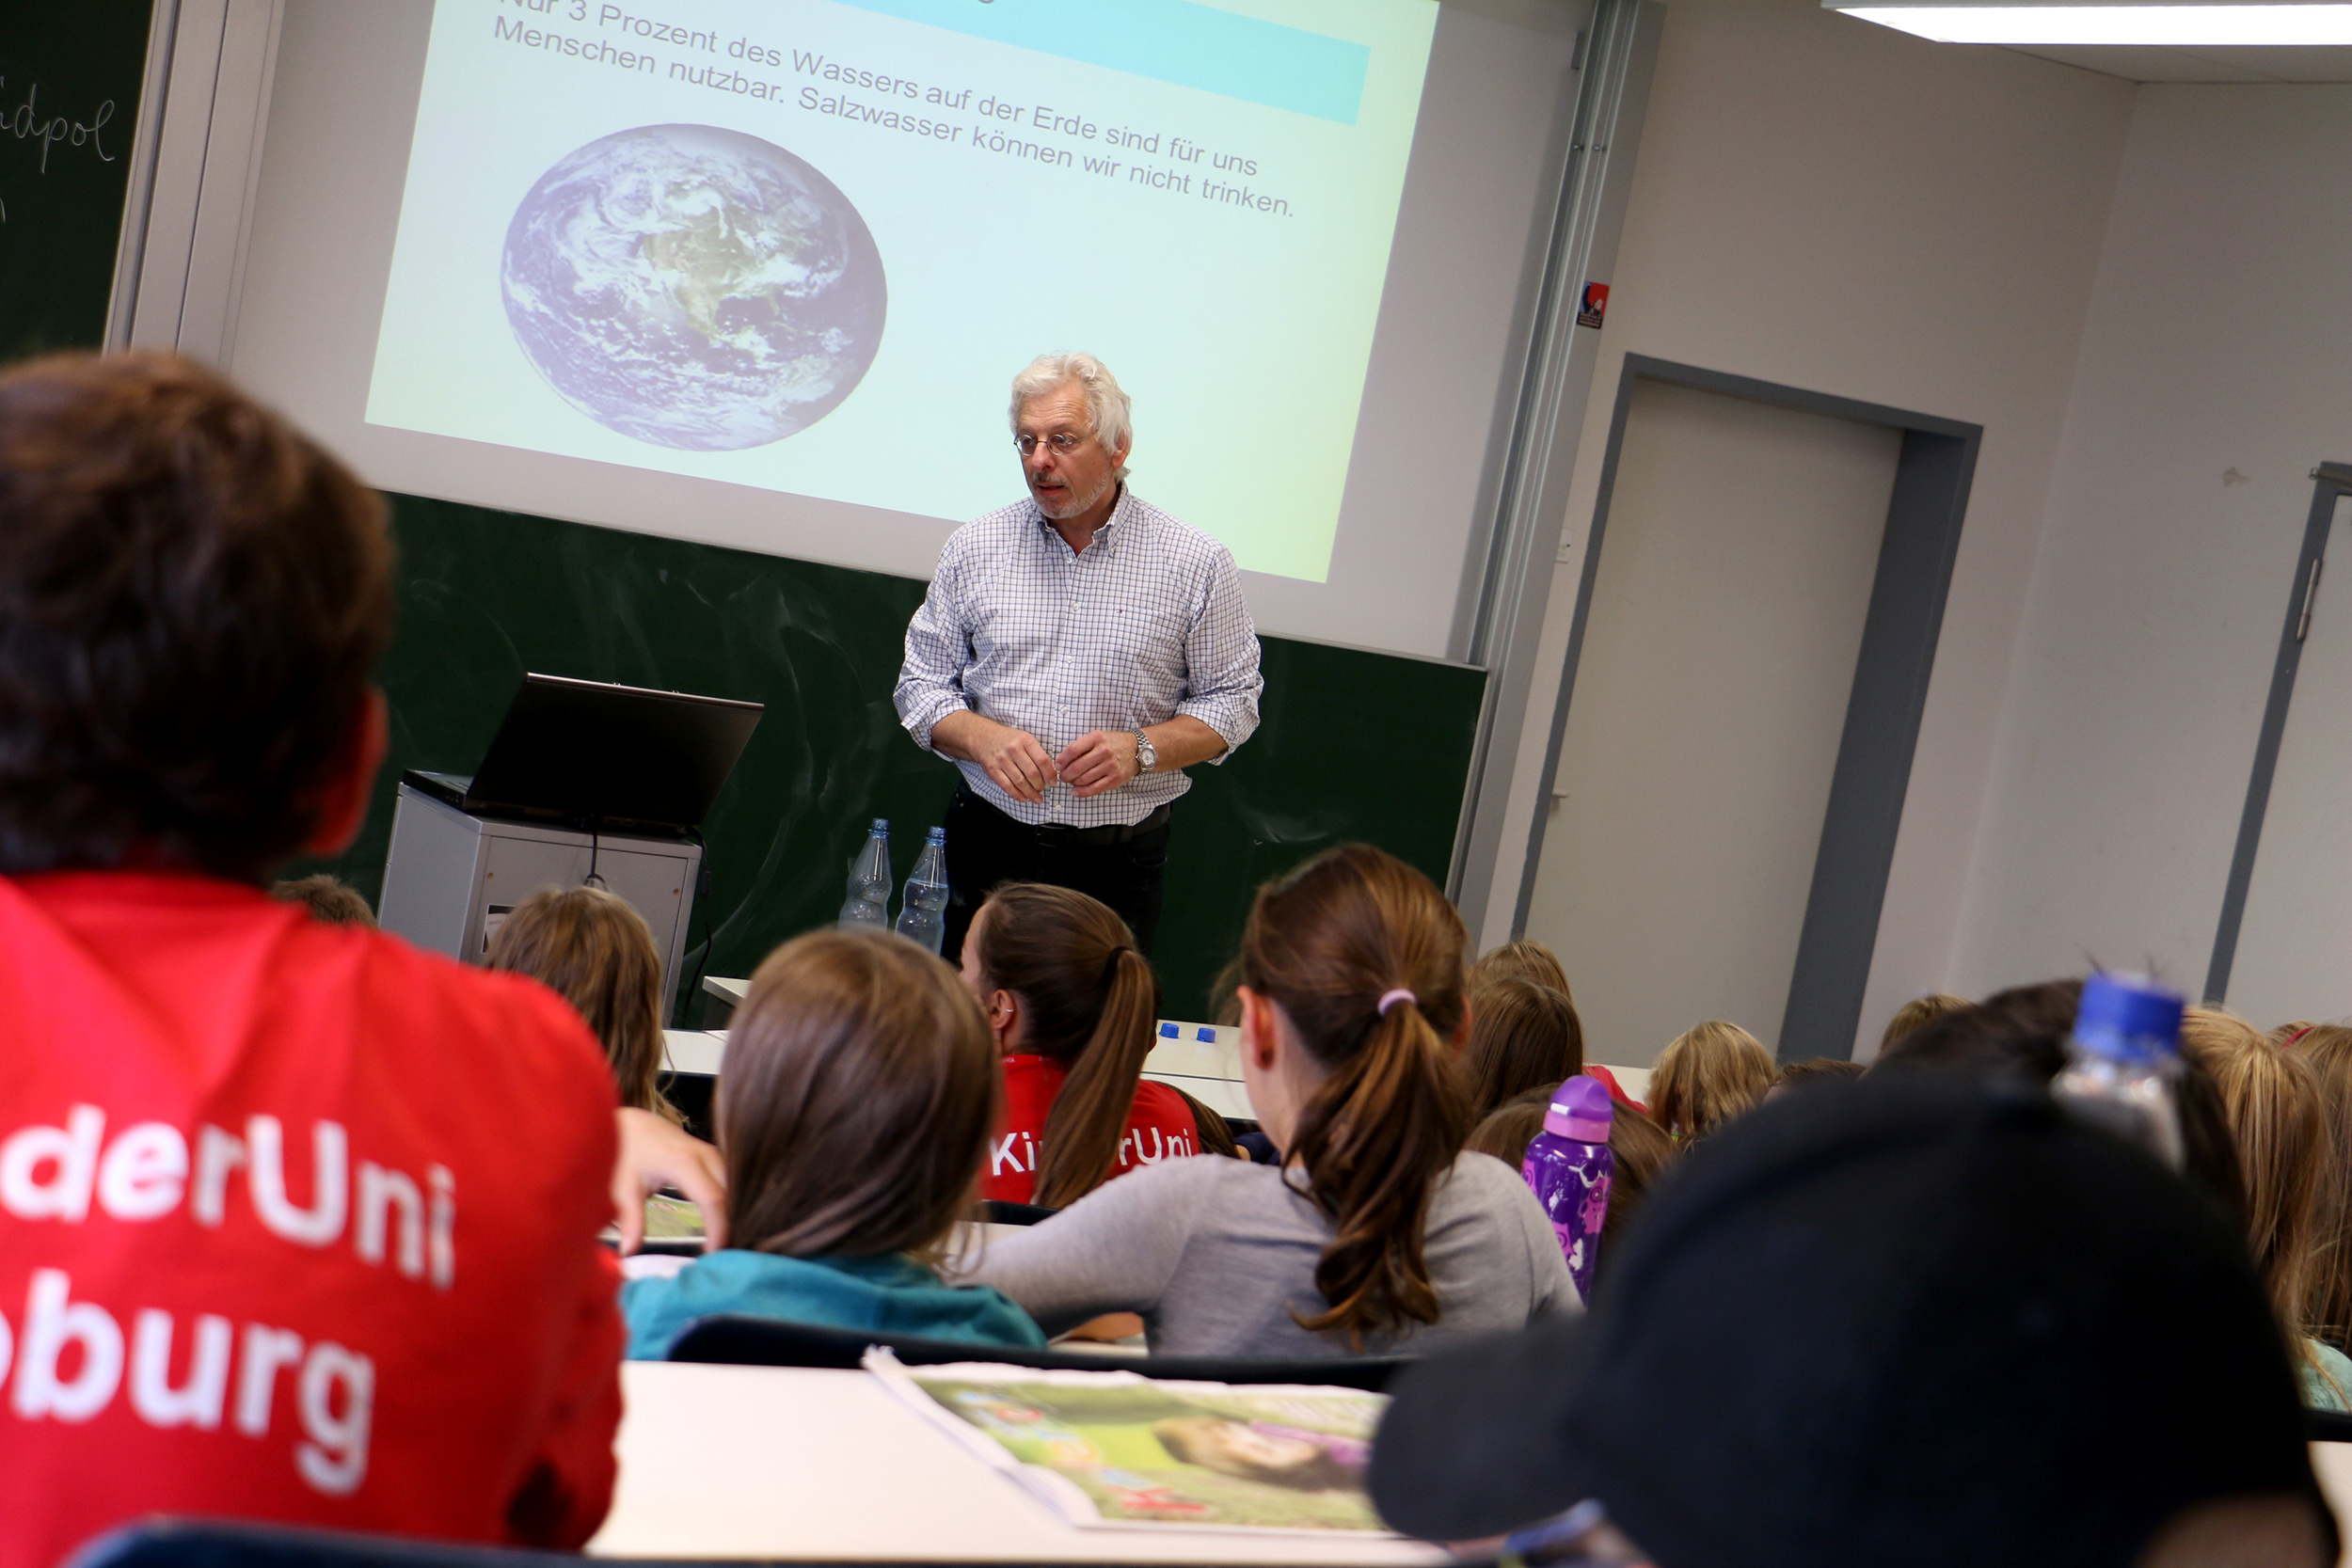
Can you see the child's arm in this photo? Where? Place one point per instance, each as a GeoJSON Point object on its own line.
{"type": "Point", "coordinates": [1114, 1250]}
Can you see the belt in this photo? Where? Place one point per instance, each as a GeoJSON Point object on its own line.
{"type": "Point", "coordinates": [1062, 835]}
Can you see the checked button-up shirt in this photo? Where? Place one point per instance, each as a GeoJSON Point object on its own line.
{"type": "Point", "coordinates": [1148, 624]}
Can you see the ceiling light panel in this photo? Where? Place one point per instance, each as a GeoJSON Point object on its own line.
{"type": "Point", "coordinates": [2207, 25]}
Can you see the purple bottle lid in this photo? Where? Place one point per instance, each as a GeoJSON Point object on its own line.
{"type": "Point", "coordinates": [1580, 1110]}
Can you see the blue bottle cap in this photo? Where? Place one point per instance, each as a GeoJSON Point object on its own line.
{"type": "Point", "coordinates": [1206, 1034]}
{"type": "Point", "coordinates": [881, 824]}
{"type": "Point", "coordinates": [937, 835]}
{"type": "Point", "coordinates": [2127, 1018]}
{"type": "Point", "coordinates": [1169, 1032]}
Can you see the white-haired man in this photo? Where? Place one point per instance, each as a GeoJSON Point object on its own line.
{"type": "Point", "coordinates": [1076, 651]}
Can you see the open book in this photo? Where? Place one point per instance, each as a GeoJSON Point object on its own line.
{"type": "Point", "coordinates": [1118, 1449]}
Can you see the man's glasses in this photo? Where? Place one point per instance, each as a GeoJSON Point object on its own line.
{"type": "Point", "coordinates": [1062, 441]}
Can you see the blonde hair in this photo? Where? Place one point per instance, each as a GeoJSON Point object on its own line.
{"type": "Point", "coordinates": [1523, 959]}
{"type": "Point", "coordinates": [1919, 1012]}
{"type": "Point", "coordinates": [2271, 1097]}
{"type": "Point", "coordinates": [2327, 1047]}
{"type": "Point", "coordinates": [855, 1099]}
{"type": "Point", "coordinates": [1708, 1076]}
{"type": "Point", "coordinates": [595, 952]}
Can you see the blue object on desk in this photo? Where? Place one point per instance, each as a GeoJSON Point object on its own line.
{"type": "Point", "coordinates": [1170, 1031]}
{"type": "Point", "coordinates": [1206, 1034]}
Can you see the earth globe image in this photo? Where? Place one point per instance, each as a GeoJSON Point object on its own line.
{"type": "Point", "coordinates": [694, 287]}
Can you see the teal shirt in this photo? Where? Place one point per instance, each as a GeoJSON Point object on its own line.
{"type": "Point", "coordinates": [890, 1295]}
{"type": "Point", "coordinates": [2328, 1384]}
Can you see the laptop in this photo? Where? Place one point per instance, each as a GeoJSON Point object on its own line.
{"type": "Point", "coordinates": [611, 758]}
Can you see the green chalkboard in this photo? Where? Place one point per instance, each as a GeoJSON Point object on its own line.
{"type": "Point", "coordinates": [69, 77]}
{"type": "Point", "coordinates": [1354, 745]}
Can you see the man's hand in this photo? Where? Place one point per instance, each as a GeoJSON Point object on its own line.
{"type": "Point", "coordinates": [655, 1155]}
{"type": "Point", "coordinates": [1098, 761]}
{"type": "Point", "coordinates": [1012, 757]}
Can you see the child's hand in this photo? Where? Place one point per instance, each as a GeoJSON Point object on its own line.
{"type": "Point", "coordinates": [655, 1155]}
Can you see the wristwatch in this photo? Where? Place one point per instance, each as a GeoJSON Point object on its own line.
{"type": "Point", "coordinates": [1147, 754]}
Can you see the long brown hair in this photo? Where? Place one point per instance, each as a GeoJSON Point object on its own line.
{"type": "Point", "coordinates": [1089, 1000]}
{"type": "Point", "coordinates": [2272, 1099]}
{"type": "Point", "coordinates": [855, 1099]}
{"type": "Point", "coordinates": [595, 952]}
{"type": "Point", "coordinates": [1709, 1075]}
{"type": "Point", "coordinates": [1325, 944]}
{"type": "Point", "coordinates": [1522, 1035]}
{"type": "Point", "coordinates": [2329, 1049]}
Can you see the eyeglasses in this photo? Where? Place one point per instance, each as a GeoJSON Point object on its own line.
{"type": "Point", "coordinates": [1062, 441]}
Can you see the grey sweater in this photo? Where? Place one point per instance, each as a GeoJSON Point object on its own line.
{"type": "Point", "coordinates": [1215, 1254]}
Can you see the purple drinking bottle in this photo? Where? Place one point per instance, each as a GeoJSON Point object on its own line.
{"type": "Point", "coordinates": [1570, 1168]}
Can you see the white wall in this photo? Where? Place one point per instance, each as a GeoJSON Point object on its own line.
{"type": "Point", "coordinates": [2219, 340]}
{"type": "Point", "coordinates": [1835, 206]}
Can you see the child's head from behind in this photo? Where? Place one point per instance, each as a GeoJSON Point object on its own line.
{"type": "Point", "coordinates": [1523, 959]}
{"type": "Point", "coordinates": [595, 952]}
{"type": "Point", "coordinates": [2271, 1098]}
{"type": "Point", "coordinates": [1059, 975]}
{"type": "Point", "coordinates": [326, 898]}
{"type": "Point", "coordinates": [855, 1099]}
{"type": "Point", "coordinates": [1522, 1035]}
{"type": "Point", "coordinates": [1361, 956]}
{"type": "Point", "coordinates": [193, 598]}
{"type": "Point", "coordinates": [1709, 1075]}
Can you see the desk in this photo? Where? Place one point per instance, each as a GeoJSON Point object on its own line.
{"type": "Point", "coordinates": [692, 1051]}
{"type": "Point", "coordinates": [773, 1461]}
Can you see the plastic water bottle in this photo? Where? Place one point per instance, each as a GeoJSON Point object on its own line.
{"type": "Point", "coordinates": [867, 907]}
{"type": "Point", "coordinates": [1570, 1168]}
{"type": "Point", "coordinates": [2121, 1060]}
{"type": "Point", "coordinates": [924, 916]}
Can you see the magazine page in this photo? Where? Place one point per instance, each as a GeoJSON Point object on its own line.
{"type": "Point", "coordinates": [1115, 1448]}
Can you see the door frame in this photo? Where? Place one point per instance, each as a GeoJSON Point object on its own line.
{"type": "Point", "coordinates": [1932, 475]}
{"type": "Point", "coordinates": [2329, 483]}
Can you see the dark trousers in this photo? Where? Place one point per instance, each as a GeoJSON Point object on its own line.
{"type": "Point", "coordinates": [1125, 867]}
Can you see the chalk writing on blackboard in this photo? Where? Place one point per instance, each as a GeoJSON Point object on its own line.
{"type": "Point", "coordinates": [27, 121]}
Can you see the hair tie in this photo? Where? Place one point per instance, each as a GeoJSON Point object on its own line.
{"type": "Point", "coordinates": [1389, 999]}
{"type": "Point", "coordinates": [2296, 1038]}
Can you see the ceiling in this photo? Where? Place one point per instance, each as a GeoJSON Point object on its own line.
{"type": "Point", "coordinates": [2173, 63]}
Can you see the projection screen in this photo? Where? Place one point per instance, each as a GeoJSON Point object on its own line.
{"type": "Point", "coordinates": [759, 272]}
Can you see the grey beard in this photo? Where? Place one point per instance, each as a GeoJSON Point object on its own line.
{"type": "Point", "coordinates": [1074, 506]}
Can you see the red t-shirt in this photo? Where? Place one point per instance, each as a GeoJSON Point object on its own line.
{"type": "Point", "coordinates": [1159, 1127]}
{"type": "Point", "coordinates": [296, 1224]}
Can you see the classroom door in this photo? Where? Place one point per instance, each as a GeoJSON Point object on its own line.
{"type": "Point", "coordinates": [2292, 936]}
{"type": "Point", "coordinates": [1704, 724]}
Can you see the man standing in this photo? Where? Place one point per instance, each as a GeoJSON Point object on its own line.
{"type": "Point", "coordinates": [1076, 651]}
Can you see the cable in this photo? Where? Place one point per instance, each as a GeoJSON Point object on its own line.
{"type": "Point", "coordinates": [594, 880]}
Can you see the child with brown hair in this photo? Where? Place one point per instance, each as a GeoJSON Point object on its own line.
{"type": "Point", "coordinates": [855, 1099]}
{"type": "Point", "coordinates": [1522, 1036]}
{"type": "Point", "coordinates": [1072, 1004]}
{"type": "Point", "coordinates": [589, 947]}
{"type": "Point", "coordinates": [1523, 959]}
{"type": "Point", "coordinates": [1377, 1230]}
{"type": "Point", "coordinates": [1709, 1075]}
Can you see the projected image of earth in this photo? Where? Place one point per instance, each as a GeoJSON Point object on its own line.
{"type": "Point", "coordinates": [695, 287]}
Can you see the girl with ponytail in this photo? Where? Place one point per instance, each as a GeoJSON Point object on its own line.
{"type": "Point", "coordinates": [1376, 1229]}
{"type": "Point", "coordinates": [1072, 1003]}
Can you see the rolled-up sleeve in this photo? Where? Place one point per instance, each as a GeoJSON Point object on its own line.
{"type": "Point", "coordinates": [1221, 659]}
{"type": "Point", "coordinates": [939, 650]}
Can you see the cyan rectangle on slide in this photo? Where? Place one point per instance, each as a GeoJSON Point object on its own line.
{"type": "Point", "coordinates": [1167, 41]}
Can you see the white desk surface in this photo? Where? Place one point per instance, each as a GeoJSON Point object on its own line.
{"type": "Point", "coordinates": [785, 1463]}
{"type": "Point", "coordinates": [727, 990]}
